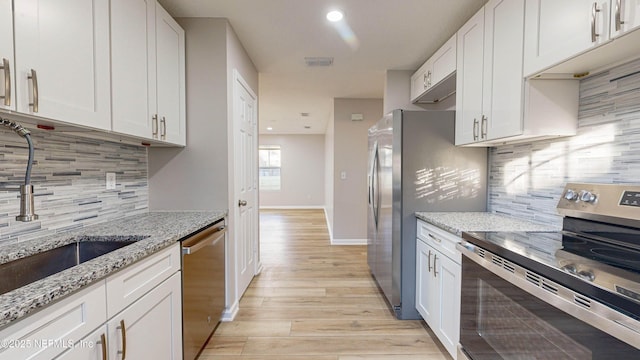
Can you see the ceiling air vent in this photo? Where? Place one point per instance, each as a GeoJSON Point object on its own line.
{"type": "Point", "coordinates": [318, 61]}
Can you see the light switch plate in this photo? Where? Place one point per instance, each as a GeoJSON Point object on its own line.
{"type": "Point", "coordinates": [111, 181]}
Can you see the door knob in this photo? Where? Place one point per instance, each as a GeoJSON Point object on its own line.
{"type": "Point", "coordinates": [242, 203]}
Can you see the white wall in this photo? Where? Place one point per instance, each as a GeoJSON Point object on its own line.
{"type": "Point", "coordinates": [351, 156]}
{"type": "Point", "coordinates": [301, 174]}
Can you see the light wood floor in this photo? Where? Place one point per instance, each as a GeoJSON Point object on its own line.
{"type": "Point", "coordinates": [315, 301]}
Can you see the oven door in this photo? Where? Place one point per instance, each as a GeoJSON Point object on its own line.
{"type": "Point", "coordinates": [499, 320]}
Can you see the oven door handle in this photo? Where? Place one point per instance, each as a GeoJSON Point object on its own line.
{"type": "Point", "coordinates": [575, 304]}
{"type": "Point", "coordinates": [202, 239]}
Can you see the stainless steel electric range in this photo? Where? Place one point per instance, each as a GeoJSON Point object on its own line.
{"type": "Point", "coordinates": [573, 294]}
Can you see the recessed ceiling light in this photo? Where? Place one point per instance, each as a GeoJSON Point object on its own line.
{"type": "Point", "coordinates": [269, 128]}
{"type": "Point", "coordinates": [335, 15]}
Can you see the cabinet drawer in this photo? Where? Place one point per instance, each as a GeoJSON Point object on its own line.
{"type": "Point", "coordinates": [129, 284]}
{"type": "Point", "coordinates": [440, 240]}
{"type": "Point", "coordinates": [54, 329]}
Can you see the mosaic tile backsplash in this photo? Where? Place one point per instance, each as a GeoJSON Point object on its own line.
{"type": "Point", "coordinates": [526, 180]}
{"type": "Point", "coordinates": [69, 182]}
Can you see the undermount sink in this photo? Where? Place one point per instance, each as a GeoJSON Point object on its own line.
{"type": "Point", "coordinates": [24, 271]}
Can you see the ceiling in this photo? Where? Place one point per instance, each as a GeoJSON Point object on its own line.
{"type": "Point", "coordinates": [279, 34]}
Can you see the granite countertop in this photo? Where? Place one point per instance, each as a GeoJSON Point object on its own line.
{"type": "Point", "coordinates": [154, 231]}
{"type": "Point", "coordinates": [457, 222]}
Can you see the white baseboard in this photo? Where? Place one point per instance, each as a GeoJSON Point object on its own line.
{"type": "Point", "coordinates": [230, 313]}
{"type": "Point", "coordinates": [348, 241]}
{"type": "Point", "coordinates": [292, 207]}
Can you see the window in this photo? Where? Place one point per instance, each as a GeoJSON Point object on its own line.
{"type": "Point", "coordinates": [269, 167]}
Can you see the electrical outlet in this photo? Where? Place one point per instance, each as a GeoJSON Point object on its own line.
{"type": "Point", "coordinates": [111, 181]}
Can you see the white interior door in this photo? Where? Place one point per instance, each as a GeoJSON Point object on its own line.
{"type": "Point", "coordinates": [246, 182]}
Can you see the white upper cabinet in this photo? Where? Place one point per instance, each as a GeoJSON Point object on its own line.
{"type": "Point", "coordinates": [557, 30]}
{"type": "Point", "coordinates": [133, 66]}
{"type": "Point", "coordinates": [494, 103]}
{"type": "Point", "coordinates": [502, 73]}
{"type": "Point", "coordinates": [62, 60]}
{"type": "Point", "coordinates": [435, 79]}
{"type": "Point", "coordinates": [7, 64]}
{"type": "Point", "coordinates": [579, 37]}
{"type": "Point", "coordinates": [470, 57]}
{"type": "Point", "coordinates": [170, 53]}
{"type": "Point", "coordinates": [148, 71]}
{"type": "Point", "coordinates": [625, 16]}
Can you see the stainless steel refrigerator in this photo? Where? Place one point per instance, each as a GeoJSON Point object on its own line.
{"type": "Point", "coordinates": [415, 166]}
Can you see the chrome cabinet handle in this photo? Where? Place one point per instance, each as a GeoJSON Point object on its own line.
{"type": "Point", "coordinates": [424, 81]}
{"type": "Point", "coordinates": [103, 344]}
{"type": "Point", "coordinates": [7, 82]}
{"type": "Point", "coordinates": [619, 21]}
{"type": "Point", "coordinates": [163, 132]}
{"type": "Point", "coordinates": [435, 238]}
{"type": "Point", "coordinates": [594, 12]}
{"type": "Point", "coordinates": [429, 261]}
{"type": "Point", "coordinates": [429, 78]}
{"type": "Point", "coordinates": [123, 332]}
{"type": "Point", "coordinates": [483, 127]}
{"type": "Point", "coordinates": [475, 129]}
{"type": "Point", "coordinates": [435, 272]}
{"type": "Point", "coordinates": [34, 92]}
{"type": "Point", "coordinates": [154, 126]}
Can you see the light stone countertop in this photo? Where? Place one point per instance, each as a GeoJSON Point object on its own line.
{"type": "Point", "coordinates": [457, 222]}
{"type": "Point", "coordinates": [155, 231]}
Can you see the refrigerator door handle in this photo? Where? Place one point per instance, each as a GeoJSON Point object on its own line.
{"type": "Point", "coordinates": [375, 181]}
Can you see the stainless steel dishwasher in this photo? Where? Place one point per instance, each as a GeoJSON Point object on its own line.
{"type": "Point", "coordinates": [203, 286]}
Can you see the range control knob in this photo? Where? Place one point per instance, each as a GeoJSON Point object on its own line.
{"type": "Point", "coordinates": [587, 196]}
{"type": "Point", "coordinates": [570, 268]}
{"type": "Point", "coordinates": [571, 195]}
{"type": "Point", "coordinates": [587, 275]}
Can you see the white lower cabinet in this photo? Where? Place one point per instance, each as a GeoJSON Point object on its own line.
{"type": "Point", "coordinates": [53, 330]}
{"type": "Point", "coordinates": [151, 328]}
{"type": "Point", "coordinates": [147, 325]}
{"type": "Point", "coordinates": [438, 284]}
{"type": "Point", "coordinates": [92, 347]}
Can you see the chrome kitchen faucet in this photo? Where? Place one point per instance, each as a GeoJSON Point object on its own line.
{"type": "Point", "coordinates": [27, 212]}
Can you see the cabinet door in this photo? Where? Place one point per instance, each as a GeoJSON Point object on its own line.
{"type": "Point", "coordinates": [558, 30]}
{"type": "Point", "coordinates": [133, 76]}
{"type": "Point", "coordinates": [420, 80]}
{"type": "Point", "coordinates": [448, 288]}
{"type": "Point", "coordinates": [170, 50]}
{"type": "Point", "coordinates": [444, 61]}
{"type": "Point", "coordinates": [503, 81]}
{"type": "Point", "coordinates": [152, 325]}
{"type": "Point", "coordinates": [470, 48]}
{"type": "Point", "coordinates": [7, 64]}
{"type": "Point", "coordinates": [65, 44]}
{"type": "Point", "coordinates": [625, 16]}
{"type": "Point", "coordinates": [89, 348]}
{"type": "Point", "coordinates": [425, 282]}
